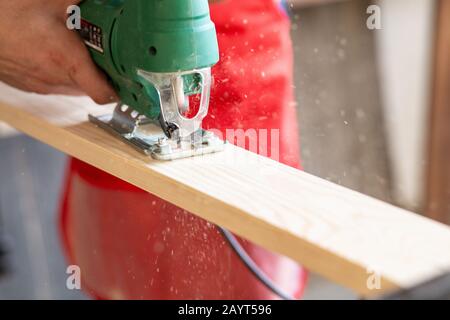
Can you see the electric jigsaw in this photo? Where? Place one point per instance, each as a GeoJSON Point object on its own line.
{"type": "Point", "coordinates": [158, 55]}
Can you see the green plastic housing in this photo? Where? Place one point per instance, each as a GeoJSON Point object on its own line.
{"type": "Point", "coordinates": [159, 36]}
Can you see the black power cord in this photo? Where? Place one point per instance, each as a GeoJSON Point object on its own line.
{"type": "Point", "coordinates": [3, 262]}
{"type": "Point", "coordinates": [252, 266]}
{"type": "Point", "coordinates": [3, 251]}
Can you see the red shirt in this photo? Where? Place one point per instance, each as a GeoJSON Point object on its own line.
{"type": "Point", "coordinates": [131, 244]}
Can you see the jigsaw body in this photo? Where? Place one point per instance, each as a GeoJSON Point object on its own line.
{"type": "Point", "coordinates": [158, 56]}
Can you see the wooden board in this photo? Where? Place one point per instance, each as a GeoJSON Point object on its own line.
{"type": "Point", "coordinates": [338, 233]}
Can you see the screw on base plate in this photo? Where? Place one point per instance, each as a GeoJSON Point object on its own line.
{"type": "Point", "coordinates": [163, 146]}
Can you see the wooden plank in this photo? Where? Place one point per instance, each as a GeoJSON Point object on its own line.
{"type": "Point", "coordinates": [336, 232]}
{"type": "Point", "coordinates": [438, 204]}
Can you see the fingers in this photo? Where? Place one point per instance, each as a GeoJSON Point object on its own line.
{"type": "Point", "coordinates": [62, 65]}
{"type": "Point", "coordinates": [82, 70]}
{"type": "Point", "coordinates": [86, 75]}
{"type": "Point", "coordinates": [34, 85]}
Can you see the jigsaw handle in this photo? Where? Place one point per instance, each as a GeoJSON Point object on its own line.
{"type": "Point", "coordinates": [125, 37]}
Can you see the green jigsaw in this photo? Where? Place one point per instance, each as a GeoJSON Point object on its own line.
{"type": "Point", "coordinates": [158, 56]}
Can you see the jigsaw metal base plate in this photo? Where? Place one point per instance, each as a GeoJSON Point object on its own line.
{"type": "Point", "coordinates": [147, 137]}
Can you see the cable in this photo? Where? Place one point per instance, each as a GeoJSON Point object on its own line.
{"type": "Point", "coordinates": [3, 252]}
{"type": "Point", "coordinates": [252, 266]}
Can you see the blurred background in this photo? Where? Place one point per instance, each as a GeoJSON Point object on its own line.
{"type": "Point", "coordinates": [373, 107]}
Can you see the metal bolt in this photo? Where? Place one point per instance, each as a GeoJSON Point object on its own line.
{"type": "Point", "coordinates": [164, 146]}
{"type": "Point", "coordinates": [162, 141]}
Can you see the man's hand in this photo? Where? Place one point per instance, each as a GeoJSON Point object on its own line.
{"type": "Point", "coordinates": [39, 54]}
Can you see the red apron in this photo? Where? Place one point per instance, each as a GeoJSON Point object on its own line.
{"type": "Point", "coordinates": [130, 244]}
